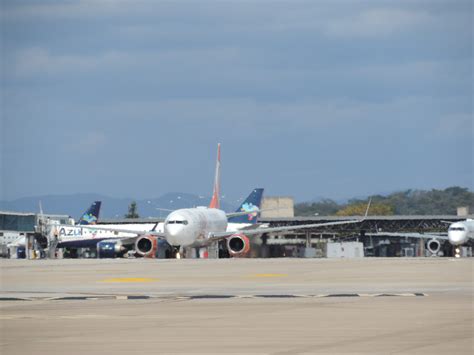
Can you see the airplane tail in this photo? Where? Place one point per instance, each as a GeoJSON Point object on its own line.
{"type": "Point", "coordinates": [251, 203]}
{"type": "Point", "coordinates": [91, 215]}
{"type": "Point", "coordinates": [215, 202]}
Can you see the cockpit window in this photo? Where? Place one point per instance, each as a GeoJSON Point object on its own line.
{"type": "Point", "coordinates": [457, 229]}
{"type": "Point", "coordinates": [178, 222]}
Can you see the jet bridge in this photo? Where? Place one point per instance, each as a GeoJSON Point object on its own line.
{"type": "Point", "coordinates": [22, 234]}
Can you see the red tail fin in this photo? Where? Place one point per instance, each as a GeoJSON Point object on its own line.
{"type": "Point", "coordinates": [215, 203]}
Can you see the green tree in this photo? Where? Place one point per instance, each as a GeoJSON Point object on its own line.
{"type": "Point", "coordinates": [325, 207]}
{"type": "Point", "coordinates": [132, 211]}
{"type": "Point", "coordinates": [408, 202]}
{"type": "Point", "coordinates": [358, 209]}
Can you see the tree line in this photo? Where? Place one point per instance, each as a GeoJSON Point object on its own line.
{"type": "Point", "coordinates": [408, 202]}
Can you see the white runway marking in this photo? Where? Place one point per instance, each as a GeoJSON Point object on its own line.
{"type": "Point", "coordinates": [207, 296]}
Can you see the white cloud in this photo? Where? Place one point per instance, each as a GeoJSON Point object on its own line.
{"type": "Point", "coordinates": [40, 61]}
{"type": "Point", "coordinates": [87, 143]}
{"type": "Point", "coordinates": [267, 117]}
{"type": "Point", "coordinates": [415, 72]}
{"type": "Point", "coordinates": [67, 10]}
{"type": "Point", "coordinates": [455, 125]}
{"type": "Point", "coordinates": [377, 22]}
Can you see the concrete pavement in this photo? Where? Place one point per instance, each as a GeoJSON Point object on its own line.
{"type": "Point", "coordinates": [172, 321]}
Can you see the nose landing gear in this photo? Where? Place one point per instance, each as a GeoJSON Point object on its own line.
{"type": "Point", "coordinates": [178, 253]}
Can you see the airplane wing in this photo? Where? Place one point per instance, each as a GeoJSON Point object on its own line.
{"type": "Point", "coordinates": [249, 232]}
{"type": "Point", "coordinates": [408, 235]}
{"type": "Point", "coordinates": [222, 235]}
{"type": "Point", "coordinates": [236, 214]}
{"type": "Point", "coordinates": [256, 211]}
{"type": "Point", "coordinates": [88, 242]}
{"type": "Point", "coordinates": [118, 230]}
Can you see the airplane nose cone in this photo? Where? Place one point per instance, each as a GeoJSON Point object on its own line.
{"type": "Point", "coordinates": [457, 237]}
{"type": "Point", "coordinates": [173, 230]}
{"type": "Point", "coordinates": [176, 227]}
{"type": "Point", "coordinates": [174, 233]}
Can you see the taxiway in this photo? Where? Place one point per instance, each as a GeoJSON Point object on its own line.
{"type": "Point", "coordinates": [257, 306]}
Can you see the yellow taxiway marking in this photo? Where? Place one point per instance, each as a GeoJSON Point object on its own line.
{"type": "Point", "coordinates": [268, 275]}
{"type": "Point", "coordinates": [129, 279]}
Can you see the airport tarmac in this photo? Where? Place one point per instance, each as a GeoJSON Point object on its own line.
{"type": "Point", "coordinates": [237, 306]}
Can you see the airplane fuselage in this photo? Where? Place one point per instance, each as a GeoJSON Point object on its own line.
{"type": "Point", "coordinates": [192, 226]}
{"type": "Point", "coordinates": [184, 227]}
{"type": "Point", "coordinates": [460, 232]}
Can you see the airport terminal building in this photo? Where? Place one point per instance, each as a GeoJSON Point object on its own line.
{"type": "Point", "coordinates": [14, 225]}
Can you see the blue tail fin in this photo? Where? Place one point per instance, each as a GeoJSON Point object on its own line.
{"type": "Point", "coordinates": [91, 215]}
{"type": "Point", "coordinates": [251, 203]}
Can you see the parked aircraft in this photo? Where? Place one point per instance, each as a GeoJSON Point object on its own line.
{"type": "Point", "coordinates": [111, 240]}
{"type": "Point", "coordinates": [89, 217]}
{"type": "Point", "coordinates": [459, 233]}
{"type": "Point", "coordinates": [201, 226]}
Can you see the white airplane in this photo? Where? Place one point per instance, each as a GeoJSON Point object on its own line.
{"type": "Point", "coordinates": [111, 240]}
{"type": "Point", "coordinates": [459, 233]}
{"type": "Point", "coordinates": [89, 217]}
{"type": "Point", "coordinates": [201, 226]}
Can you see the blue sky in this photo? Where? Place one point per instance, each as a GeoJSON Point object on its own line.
{"type": "Point", "coordinates": [308, 98]}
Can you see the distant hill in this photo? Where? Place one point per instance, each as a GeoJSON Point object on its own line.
{"type": "Point", "coordinates": [74, 205]}
{"type": "Point", "coordinates": [408, 202]}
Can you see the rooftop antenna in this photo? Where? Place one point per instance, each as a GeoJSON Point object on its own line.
{"type": "Point", "coordinates": [368, 206]}
{"type": "Point", "coordinates": [40, 218]}
{"type": "Point", "coordinates": [40, 207]}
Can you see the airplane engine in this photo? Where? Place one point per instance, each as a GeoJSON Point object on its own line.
{"type": "Point", "coordinates": [146, 246]}
{"type": "Point", "coordinates": [149, 246]}
{"type": "Point", "coordinates": [110, 249]}
{"type": "Point", "coordinates": [238, 245]}
{"type": "Point", "coordinates": [433, 246]}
